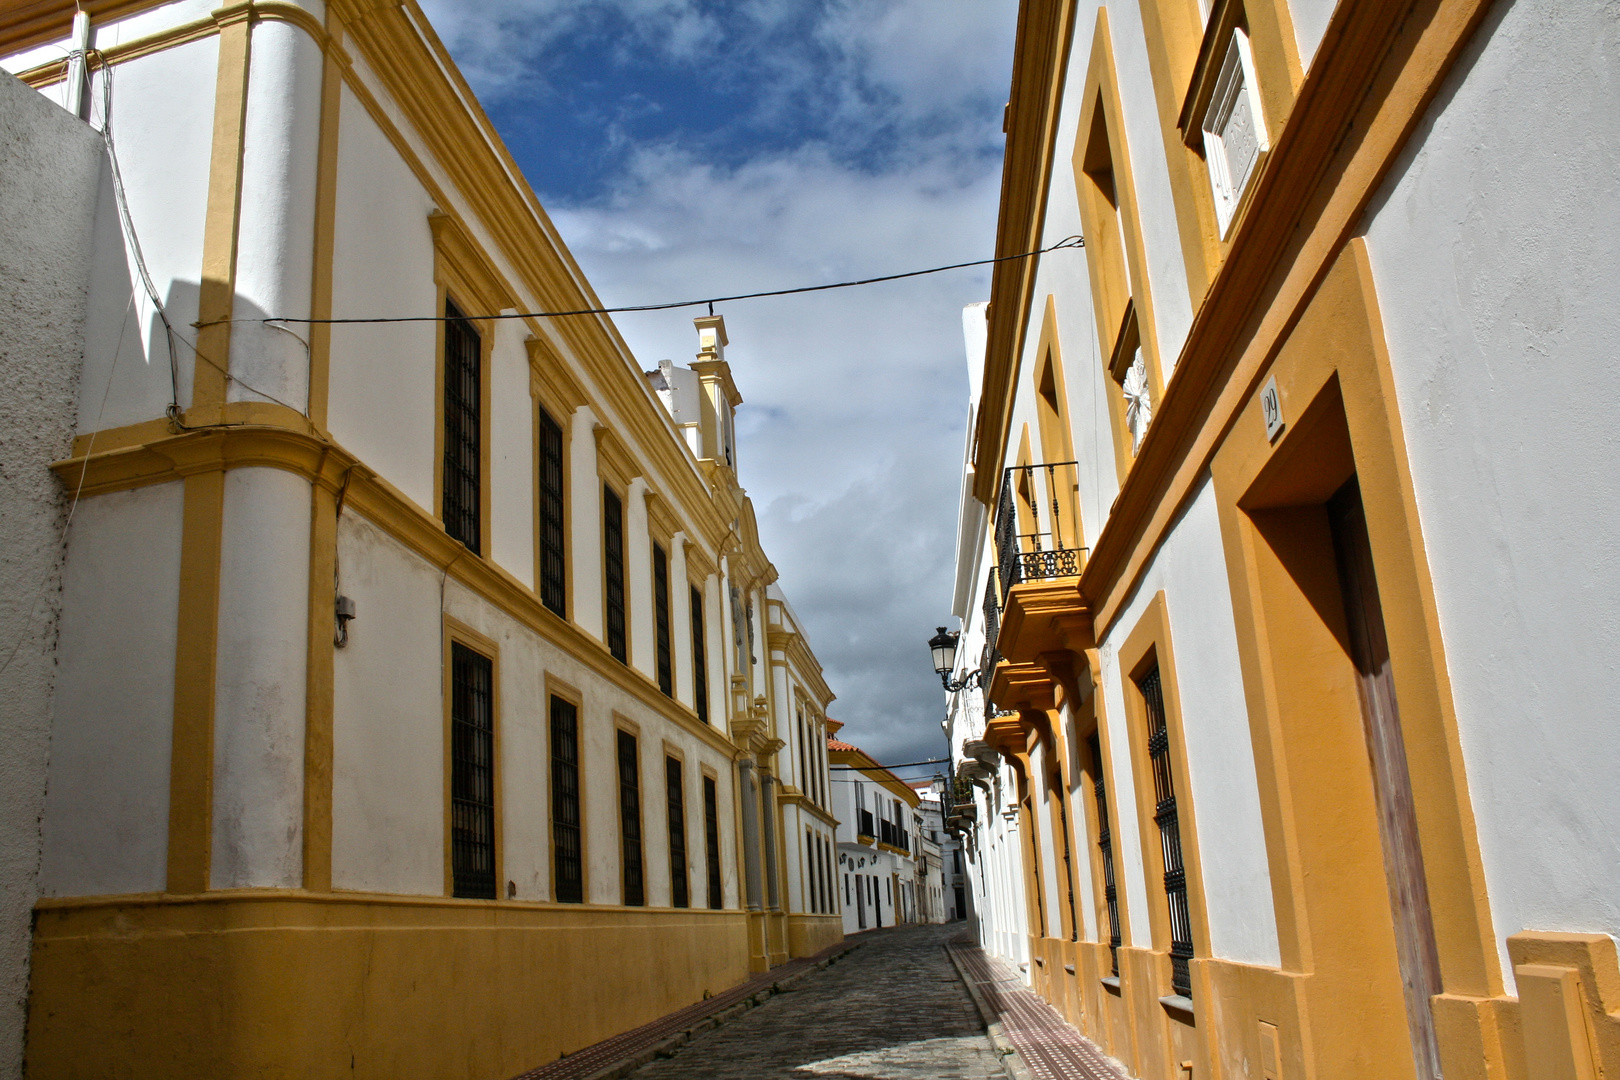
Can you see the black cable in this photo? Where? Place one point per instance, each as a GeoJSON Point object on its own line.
{"type": "Point", "coordinates": [1067, 242]}
{"type": "Point", "coordinates": [902, 765]}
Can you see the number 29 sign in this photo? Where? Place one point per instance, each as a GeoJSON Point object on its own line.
{"type": "Point", "coordinates": [1271, 409]}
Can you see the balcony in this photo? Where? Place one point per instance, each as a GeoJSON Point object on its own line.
{"type": "Point", "coordinates": [893, 835]}
{"type": "Point", "coordinates": [863, 824]}
{"type": "Point", "coordinates": [1037, 524]}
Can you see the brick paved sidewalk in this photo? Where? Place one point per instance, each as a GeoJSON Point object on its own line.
{"type": "Point", "coordinates": [620, 1055]}
{"type": "Point", "coordinates": [1048, 1048]}
{"type": "Point", "coordinates": [893, 1010]}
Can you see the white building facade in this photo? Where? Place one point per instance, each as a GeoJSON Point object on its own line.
{"type": "Point", "coordinates": [1280, 715]}
{"type": "Point", "coordinates": [424, 704]}
{"type": "Point", "coordinates": [876, 840]}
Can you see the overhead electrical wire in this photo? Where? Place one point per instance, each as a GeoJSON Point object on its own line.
{"type": "Point", "coordinates": [1064, 244]}
{"type": "Point", "coordinates": [901, 765]}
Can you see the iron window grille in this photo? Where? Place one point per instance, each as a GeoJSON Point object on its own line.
{"type": "Point", "coordinates": [1165, 815]}
{"type": "Point", "coordinates": [553, 564]}
{"type": "Point", "coordinates": [472, 774]}
{"type": "Point", "coordinates": [700, 663]}
{"type": "Point", "coordinates": [665, 664]}
{"type": "Point", "coordinates": [613, 572]}
{"type": "Point", "coordinates": [992, 631]}
{"type": "Point", "coordinates": [711, 839]}
{"type": "Point", "coordinates": [1062, 794]}
{"type": "Point", "coordinates": [568, 862]}
{"type": "Point", "coordinates": [635, 889]}
{"type": "Point", "coordinates": [812, 866]}
{"type": "Point", "coordinates": [1035, 861]}
{"type": "Point", "coordinates": [1105, 848]}
{"type": "Point", "coordinates": [1041, 553]}
{"type": "Point", "coordinates": [463, 433]}
{"type": "Point", "coordinates": [678, 886]}
{"type": "Point", "coordinates": [804, 762]}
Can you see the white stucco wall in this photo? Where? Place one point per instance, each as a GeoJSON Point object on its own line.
{"type": "Point", "coordinates": [1155, 205]}
{"type": "Point", "coordinates": [276, 234]}
{"type": "Point", "coordinates": [259, 702]}
{"type": "Point", "coordinates": [1190, 568]}
{"type": "Point", "coordinates": [107, 812]}
{"type": "Point", "coordinates": [163, 123]}
{"type": "Point", "coordinates": [383, 382]}
{"type": "Point", "coordinates": [1310, 23]}
{"type": "Point", "coordinates": [388, 816]}
{"type": "Point", "coordinates": [1495, 247]}
{"type": "Point", "coordinates": [511, 454]}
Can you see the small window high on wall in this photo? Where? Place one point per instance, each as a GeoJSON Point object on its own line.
{"type": "Point", "coordinates": [665, 665]}
{"type": "Point", "coordinates": [1234, 129]}
{"type": "Point", "coordinates": [613, 572]}
{"type": "Point", "coordinates": [463, 431]}
{"type": "Point", "coordinates": [700, 662]}
{"type": "Point", "coordinates": [553, 567]}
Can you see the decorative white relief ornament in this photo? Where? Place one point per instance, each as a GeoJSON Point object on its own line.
{"type": "Point", "coordinates": [1138, 406]}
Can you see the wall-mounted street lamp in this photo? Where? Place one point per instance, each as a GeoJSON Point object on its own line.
{"type": "Point", "coordinates": [943, 646]}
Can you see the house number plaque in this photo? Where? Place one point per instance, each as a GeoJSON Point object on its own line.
{"type": "Point", "coordinates": [1271, 409]}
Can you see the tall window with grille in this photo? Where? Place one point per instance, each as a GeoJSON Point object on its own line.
{"type": "Point", "coordinates": [812, 877]}
{"type": "Point", "coordinates": [700, 662]}
{"type": "Point", "coordinates": [472, 773]}
{"type": "Point", "coordinates": [1060, 795]}
{"type": "Point", "coordinates": [463, 428]}
{"type": "Point", "coordinates": [553, 567]}
{"type": "Point", "coordinates": [1105, 849]}
{"type": "Point", "coordinates": [711, 839]}
{"type": "Point", "coordinates": [661, 640]}
{"type": "Point", "coordinates": [1165, 815]}
{"type": "Point", "coordinates": [568, 856]}
{"type": "Point", "coordinates": [635, 887]}
{"type": "Point", "coordinates": [613, 572]}
{"type": "Point", "coordinates": [675, 793]}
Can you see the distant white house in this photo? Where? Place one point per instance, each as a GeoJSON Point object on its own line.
{"type": "Point", "coordinates": [877, 820]}
{"type": "Point", "coordinates": [934, 903]}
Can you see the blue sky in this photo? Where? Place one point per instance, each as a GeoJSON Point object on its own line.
{"type": "Point", "coordinates": [688, 148]}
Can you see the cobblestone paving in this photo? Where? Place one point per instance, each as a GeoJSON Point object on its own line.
{"type": "Point", "coordinates": [894, 1009]}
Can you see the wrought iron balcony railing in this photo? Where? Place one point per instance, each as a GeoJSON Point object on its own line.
{"type": "Point", "coordinates": [1039, 553]}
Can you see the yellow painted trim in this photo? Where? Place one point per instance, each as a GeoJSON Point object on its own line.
{"type": "Point", "coordinates": [191, 756]}
{"type": "Point", "coordinates": [455, 632]}
{"type": "Point", "coordinates": [216, 295]}
{"type": "Point", "coordinates": [385, 506]}
{"type": "Point", "coordinates": [424, 83]}
{"type": "Point", "coordinates": [1115, 252]}
{"type": "Point", "coordinates": [1040, 66]}
{"type": "Point", "coordinates": [326, 179]}
{"type": "Point", "coordinates": [1304, 714]}
{"type": "Point", "coordinates": [875, 773]}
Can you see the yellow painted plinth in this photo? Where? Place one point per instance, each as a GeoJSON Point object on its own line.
{"type": "Point", "coordinates": [809, 934]}
{"type": "Point", "coordinates": [290, 984]}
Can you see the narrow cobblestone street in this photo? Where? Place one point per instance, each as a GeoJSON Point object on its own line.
{"type": "Point", "coordinates": [894, 1009]}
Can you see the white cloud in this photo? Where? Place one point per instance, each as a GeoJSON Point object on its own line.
{"type": "Point", "coordinates": [851, 430]}
{"type": "Point", "coordinates": [854, 399]}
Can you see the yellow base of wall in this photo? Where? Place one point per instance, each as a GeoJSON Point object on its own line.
{"type": "Point", "coordinates": [809, 934]}
{"type": "Point", "coordinates": [290, 984]}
